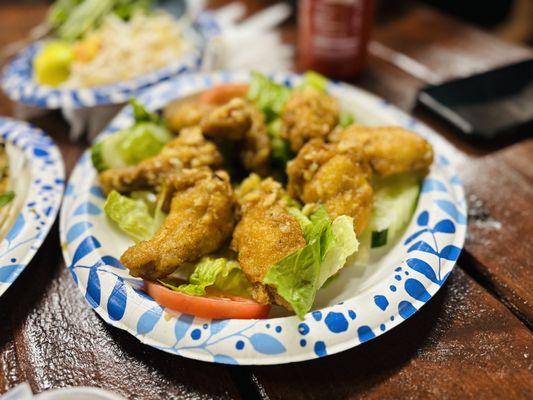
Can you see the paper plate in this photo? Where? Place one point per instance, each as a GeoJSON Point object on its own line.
{"type": "Point", "coordinates": [18, 82]}
{"type": "Point", "coordinates": [360, 305]}
{"type": "Point", "coordinates": [37, 168]}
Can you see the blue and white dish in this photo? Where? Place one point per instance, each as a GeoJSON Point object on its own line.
{"type": "Point", "coordinates": [37, 176]}
{"type": "Point", "coordinates": [18, 81]}
{"type": "Point", "coordinates": [357, 307]}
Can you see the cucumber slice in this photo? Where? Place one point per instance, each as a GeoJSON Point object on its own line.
{"type": "Point", "coordinates": [394, 203]}
{"type": "Point", "coordinates": [379, 238]}
{"type": "Point", "coordinates": [105, 154]}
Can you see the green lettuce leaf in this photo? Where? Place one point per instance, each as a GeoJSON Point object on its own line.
{"type": "Point", "coordinates": [302, 219]}
{"type": "Point", "coordinates": [218, 273]}
{"type": "Point", "coordinates": [268, 96]}
{"type": "Point", "coordinates": [362, 257]}
{"type": "Point", "coordinates": [281, 150]}
{"type": "Point", "coordinates": [341, 244]}
{"type": "Point", "coordinates": [141, 114]}
{"type": "Point", "coordinates": [6, 198]}
{"type": "Point", "coordinates": [133, 216]}
{"type": "Point", "coordinates": [346, 119]}
{"type": "Point", "coordinates": [82, 18]}
{"type": "Point", "coordinates": [298, 277]}
{"type": "Point", "coordinates": [143, 140]}
{"type": "Point", "coordinates": [73, 18]}
{"type": "Point", "coordinates": [315, 80]}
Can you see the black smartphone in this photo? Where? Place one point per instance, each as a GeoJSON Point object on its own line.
{"type": "Point", "coordinates": [488, 105]}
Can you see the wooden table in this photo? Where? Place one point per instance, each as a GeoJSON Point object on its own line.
{"type": "Point", "coordinates": [472, 340]}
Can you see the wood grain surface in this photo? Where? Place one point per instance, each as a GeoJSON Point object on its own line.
{"type": "Point", "coordinates": [454, 347]}
{"type": "Point", "coordinates": [469, 341]}
{"type": "Point", "coordinates": [499, 246]}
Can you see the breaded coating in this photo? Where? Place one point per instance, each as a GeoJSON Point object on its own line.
{"type": "Point", "coordinates": [266, 233]}
{"type": "Point", "coordinates": [340, 181]}
{"type": "Point", "coordinates": [189, 150]}
{"type": "Point", "coordinates": [200, 220]}
{"type": "Point", "coordinates": [182, 114]}
{"type": "Point", "coordinates": [255, 151]}
{"type": "Point", "coordinates": [264, 236]}
{"type": "Point", "coordinates": [254, 191]}
{"type": "Point", "coordinates": [230, 121]}
{"type": "Point", "coordinates": [308, 114]}
{"type": "Point", "coordinates": [390, 150]}
{"type": "Point", "coordinates": [236, 121]}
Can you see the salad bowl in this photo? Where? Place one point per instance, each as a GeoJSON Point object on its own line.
{"type": "Point", "coordinates": [19, 83]}
{"type": "Point", "coordinates": [361, 304]}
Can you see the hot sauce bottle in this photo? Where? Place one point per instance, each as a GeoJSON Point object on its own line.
{"type": "Point", "coordinates": [333, 36]}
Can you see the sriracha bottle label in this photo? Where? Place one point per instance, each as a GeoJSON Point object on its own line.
{"type": "Point", "coordinates": [333, 35]}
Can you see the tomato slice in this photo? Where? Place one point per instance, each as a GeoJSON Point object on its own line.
{"type": "Point", "coordinates": [206, 307]}
{"type": "Point", "coordinates": [221, 94]}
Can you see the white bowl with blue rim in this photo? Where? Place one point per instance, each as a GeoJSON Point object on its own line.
{"type": "Point", "coordinates": [18, 81]}
{"type": "Point", "coordinates": [359, 306]}
{"type": "Point", "coordinates": [37, 178]}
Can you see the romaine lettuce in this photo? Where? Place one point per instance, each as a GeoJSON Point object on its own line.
{"type": "Point", "coordinates": [346, 119]}
{"type": "Point", "coordinates": [132, 216]}
{"type": "Point", "coordinates": [130, 146]}
{"type": "Point", "coordinates": [217, 273]}
{"type": "Point", "coordinates": [141, 114]}
{"type": "Point", "coordinates": [298, 276]}
{"type": "Point", "coordinates": [143, 140]}
{"type": "Point", "coordinates": [268, 96]}
{"type": "Point", "coordinates": [281, 151]}
{"type": "Point", "coordinates": [315, 80]}
{"type": "Point", "coordinates": [342, 243]}
{"type": "Point", "coordinates": [6, 198]}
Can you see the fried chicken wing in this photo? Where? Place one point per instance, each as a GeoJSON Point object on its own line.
{"type": "Point", "coordinates": [236, 121]}
{"type": "Point", "coordinates": [229, 121]}
{"type": "Point", "coordinates": [390, 150]}
{"type": "Point", "coordinates": [183, 114]}
{"type": "Point", "coordinates": [308, 114]}
{"type": "Point", "coordinates": [256, 149]}
{"type": "Point", "coordinates": [266, 233]}
{"type": "Point", "coordinates": [340, 181]}
{"type": "Point", "coordinates": [189, 150]}
{"type": "Point", "coordinates": [200, 220]}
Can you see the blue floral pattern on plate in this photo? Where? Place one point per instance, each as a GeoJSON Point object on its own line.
{"type": "Point", "coordinates": [41, 202]}
{"type": "Point", "coordinates": [415, 269]}
{"type": "Point", "coordinates": [18, 82]}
